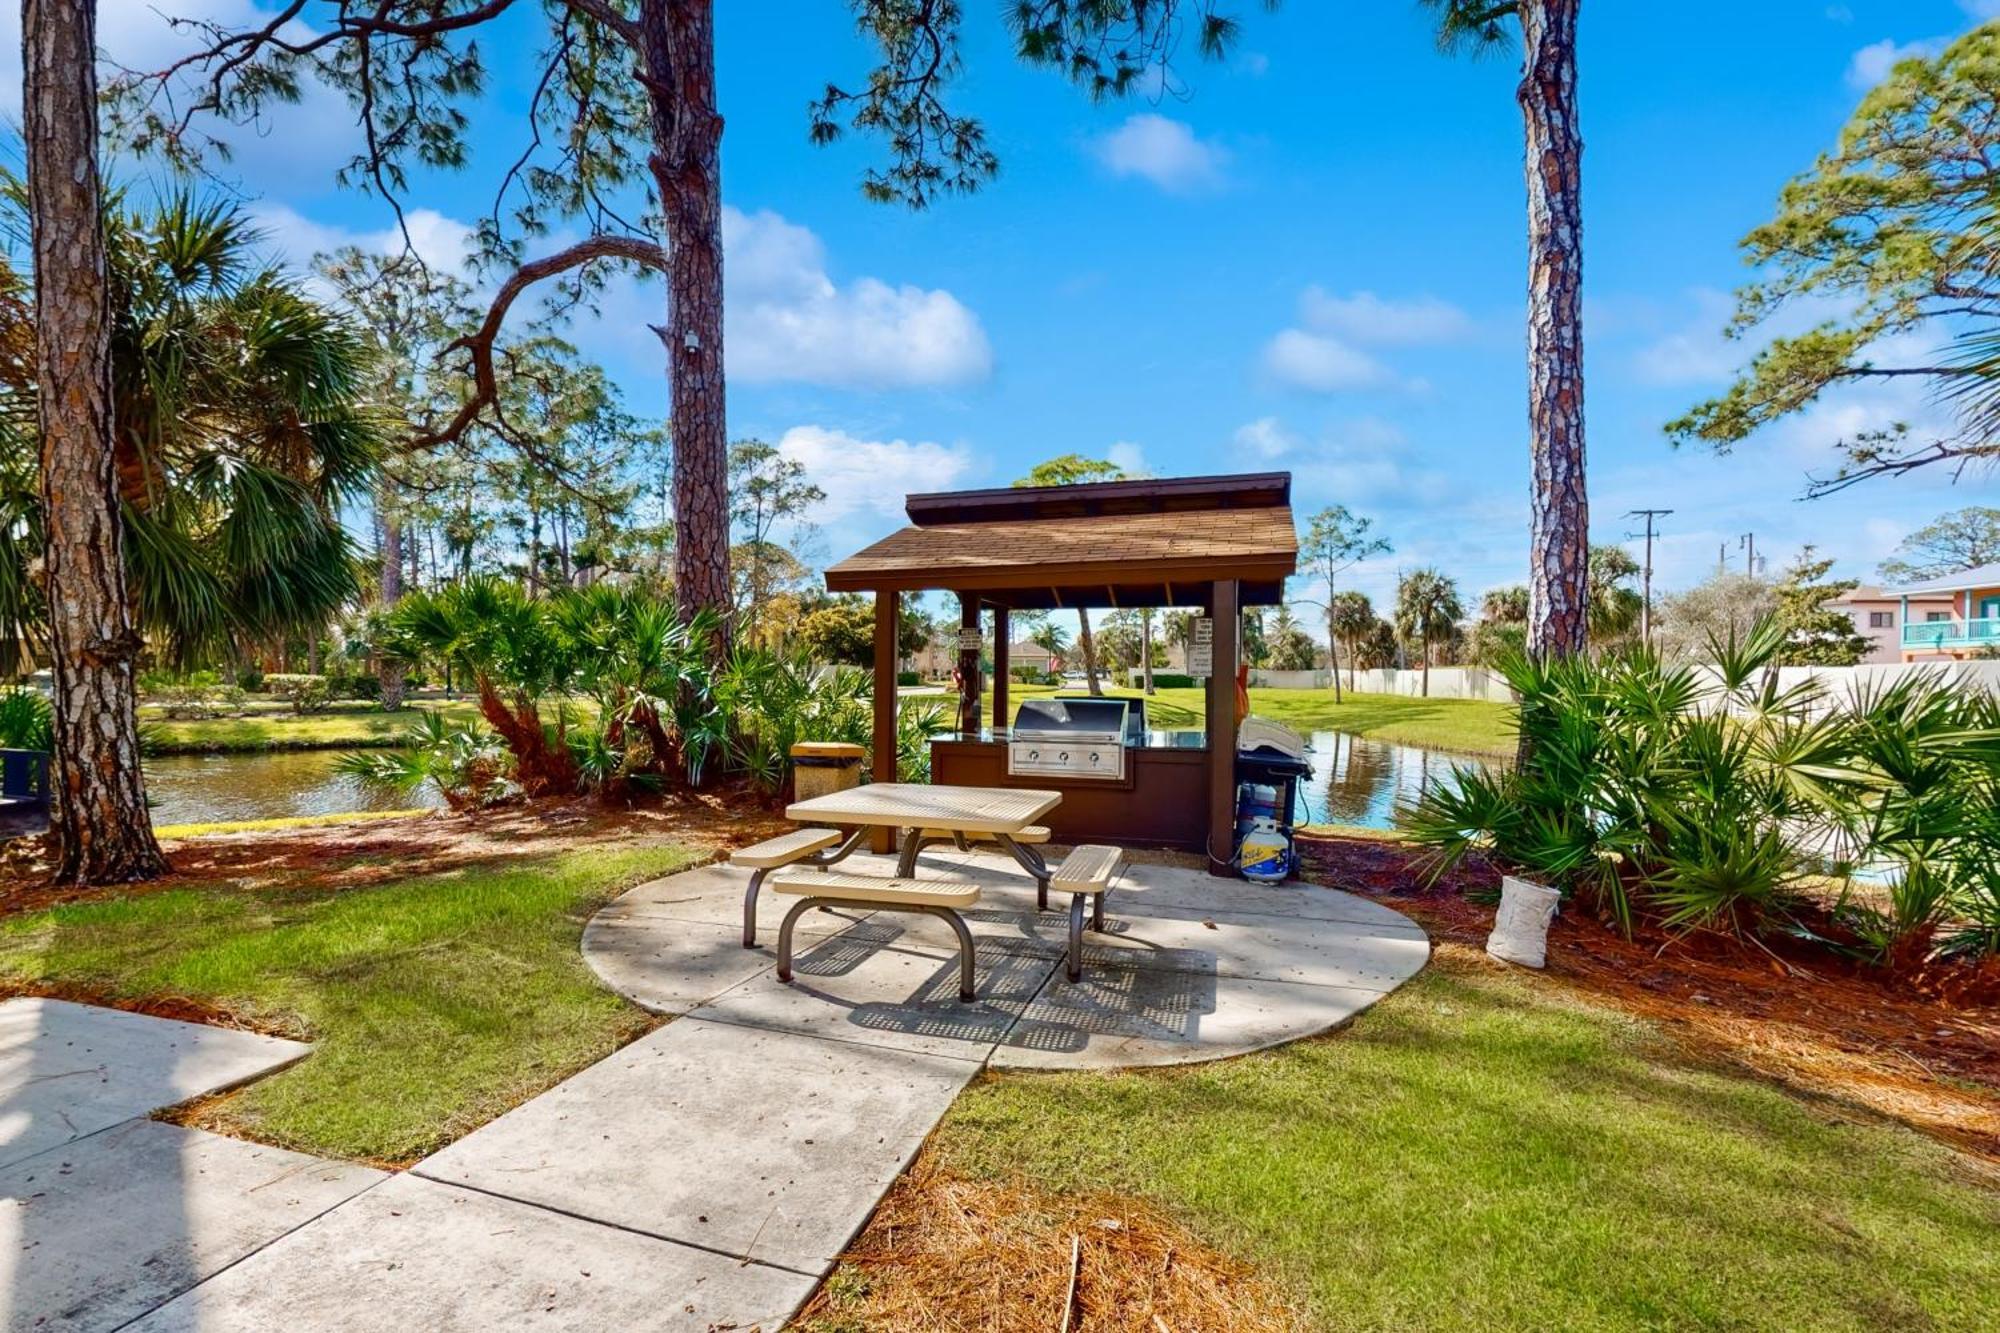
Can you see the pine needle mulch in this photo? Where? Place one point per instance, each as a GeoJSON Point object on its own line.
{"type": "Point", "coordinates": [946, 1254]}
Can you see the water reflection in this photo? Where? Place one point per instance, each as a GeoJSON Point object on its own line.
{"type": "Point", "coordinates": [219, 788]}
{"type": "Point", "coordinates": [1360, 781]}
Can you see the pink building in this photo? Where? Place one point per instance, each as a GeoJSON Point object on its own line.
{"type": "Point", "coordinates": [1882, 616]}
{"type": "Point", "coordinates": [1966, 622]}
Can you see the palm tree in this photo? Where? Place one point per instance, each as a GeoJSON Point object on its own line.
{"type": "Point", "coordinates": [1052, 639]}
{"type": "Point", "coordinates": [1559, 529]}
{"type": "Point", "coordinates": [1427, 610]}
{"type": "Point", "coordinates": [1350, 618]}
{"type": "Point", "coordinates": [238, 431]}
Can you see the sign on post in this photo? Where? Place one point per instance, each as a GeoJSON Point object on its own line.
{"type": "Point", "coordinates": [970, 641]}
{"type": "Point", "coordinates": [1201, 648]}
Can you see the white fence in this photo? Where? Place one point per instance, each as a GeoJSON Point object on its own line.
{"type": "Point", "coordinates": [1479, 683]}
{"type": "Point", "coordinates": [1446, 682]}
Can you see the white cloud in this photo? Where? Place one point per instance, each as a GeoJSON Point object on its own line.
{"type": "Point", "coordinates": [1696, 353]}
{"type": "Point", "coordinates": [1163, 151]}
{"type": "Point", "coordinates": [440, 241]}
{"type": "Point", "coordinates": [1322, 351]}
{"type": "Point", "coordinates": [1265, 438]}
{"type": "Point", "coordinates": [1367, 318]}
{"type": "Point", "coordinates": [1872, 63]}
{"type": "Point", "coordinates": [789, 321]}
{"type": "Point", "coordinates": [1321, 363]}
{"type": "Point", "coordinates": [1128, 458]}
{"type": "Point", "coordinates": [870, 477]}
{"type": "Point", "coordinates": [1358, 460]}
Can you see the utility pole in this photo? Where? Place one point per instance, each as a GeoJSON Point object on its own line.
{"type": "Point", "coordinates": [1646, 601]}
{"type": "Point", "coordinates": [1747, 543]}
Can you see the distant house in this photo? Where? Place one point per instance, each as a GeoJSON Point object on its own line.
{"type": "Point", "coordinates": [1950, 618]}
{"type": "Point", "coordinates": [1881, 614]}
{"type": "Point", "coordinates": [1031, 655]}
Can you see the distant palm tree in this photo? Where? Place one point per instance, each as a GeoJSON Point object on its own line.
{"type": "Point", "coordinates": [1427, 610]}
{"type": "Point", "coordinates": [239, 430]}
{"type": "Point", "coordinates": [1350, 618]}
{"type": "Point", "coordinates": [1052, 639]}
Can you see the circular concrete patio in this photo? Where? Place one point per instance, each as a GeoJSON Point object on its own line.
{"type": "Point", "coordinates": [1188, 968]}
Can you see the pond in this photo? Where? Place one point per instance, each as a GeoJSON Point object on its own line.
{"type": "Point", "coordinates": [223, 788]}
{"type": "Point", "coordinates": [1360, 781]}
{"type": "Point", "coordinates": [1355, 781]}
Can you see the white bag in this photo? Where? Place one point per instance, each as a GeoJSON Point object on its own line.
{"type": "Point", "coordinates": [1521, 927]}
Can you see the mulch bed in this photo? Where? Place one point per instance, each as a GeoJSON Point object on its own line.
{"type": "Point", "coordinates": [1921, 1047]}
{"type": "Point", "coordinates": [944, 1253]}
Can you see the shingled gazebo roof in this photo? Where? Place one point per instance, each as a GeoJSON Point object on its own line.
{"type": "Point", "coordinates": [1114, 543]}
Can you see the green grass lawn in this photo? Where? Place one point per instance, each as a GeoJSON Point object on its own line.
{"type": "Point", "coordinates": [345, 726]}
{"type": "Point", "coordinates": [1480, 1153]}
{"type": "Point", "coordinates": [1469, 726]}
{"type": "Point", "coordinates": [435, 1002]}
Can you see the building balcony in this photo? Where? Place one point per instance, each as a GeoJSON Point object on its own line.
{"type": "Point", "coordinates": [1947, 635]}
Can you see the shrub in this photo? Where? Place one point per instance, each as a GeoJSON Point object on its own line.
{"type": "Point", "coordinates": [1163, 680]}
{"type": "Point", "coordinates": [364, 686]}
{"type": "Point", "coordinates": [1705, 801]}
{"type": "Point", "coordinates": [193, 694]}
{"type": "Point", "coordinates": [909, 678]}
{"type": "Point", "coordinates": [26, 722]}
{"type": "Point", "coordinates": [467, 765]}
{"type": "Point", "coordinates": [250, 679]}
{"type": "Point", "coordinates": [306, 693]}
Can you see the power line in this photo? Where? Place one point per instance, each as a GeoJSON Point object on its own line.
{"type": "Point", "coordinates": [1646, 604]}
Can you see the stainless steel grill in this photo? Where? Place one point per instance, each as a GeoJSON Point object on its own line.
{"type": "Point", "coordinates": [1068, 738]}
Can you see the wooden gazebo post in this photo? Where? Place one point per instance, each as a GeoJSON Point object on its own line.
{"type": "Point", "coordinates": [968, 663]}
{"type": "Point", "coordinates": [1003, 634]}
{"type": "Point", "coordinates": [1226, 623]}
{"type": "Point", "coordinates": [884, 765]}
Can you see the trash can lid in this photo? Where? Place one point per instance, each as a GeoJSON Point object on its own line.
{"type": "Point", "coordinates": [827, 750]}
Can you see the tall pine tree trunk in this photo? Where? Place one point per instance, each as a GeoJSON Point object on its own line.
{"type": "Point", "coordinates": [1333, 655]}
{"type": "Point", "coordinates": [1559, 528]}
{"type": "Point", "coordinates": [1146, 645]}
{"type": "Point", "coordinates": [103, 832]}
{"type": "Point", "coordinates": [388, 669]}
{"type": "Point", "coordinates": [1087, 650]}
{"type": "Point", "coordinates": [679, 38]}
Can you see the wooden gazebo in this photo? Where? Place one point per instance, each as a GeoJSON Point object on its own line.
{"type": "Point", "coordinates": [1217, 543]}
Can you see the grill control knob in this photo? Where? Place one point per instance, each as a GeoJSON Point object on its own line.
{"type": "Point", "coordinates": [1034, 755]}
{"type": "Point", "coordinates": [1093, 758]}
{"type": "Point", "coordinates": [1063, 757]}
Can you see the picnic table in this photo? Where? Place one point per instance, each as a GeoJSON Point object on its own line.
{"type": "Point", "coordinates": [998, 813]}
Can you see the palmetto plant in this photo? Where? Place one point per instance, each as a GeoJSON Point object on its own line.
{"type": "Point", "coordinates": [239, 430]}
{"type": "Point", "coordinates": [1705, 797]}
{"type": "Point", "coordinates": [467, 764]}
{"type": "Point", "coordinates": [516, 657]}
{"type": "Point", "coordinates": [25, 720]}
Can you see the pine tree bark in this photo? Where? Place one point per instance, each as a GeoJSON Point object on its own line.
{"type": "Point", "coordinates": [1559, 526]}
{"type": "Point", "coordinates": [388, 670]}
{"type": "Point", "coordinates": [1087, 649]}
{"type": "Point", "coordinates": [679, 37]}
{"type": "Point", "coordinates": [102, 830]}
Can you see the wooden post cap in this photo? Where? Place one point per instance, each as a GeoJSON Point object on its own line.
{"type": "Point", "coordinates": [825, 750]}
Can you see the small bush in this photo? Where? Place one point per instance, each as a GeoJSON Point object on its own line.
{"type": "Point", "coordinates": [909, 678]}
{"type": "Point", "coordinates": [250, 679]}
{"type": "Point", "coordinates": [364, 687]}
{"type": "Point", "coordinates": [306, 694]}
{"type": "Point", "coordinates": [1163, 680]}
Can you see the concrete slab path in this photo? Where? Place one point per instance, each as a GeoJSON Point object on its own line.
{"type": "Point", "coordinates": [704, 1177]}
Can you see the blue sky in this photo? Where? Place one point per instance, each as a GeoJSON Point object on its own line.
{"type": "Point", "coordinates": [1309, 257]}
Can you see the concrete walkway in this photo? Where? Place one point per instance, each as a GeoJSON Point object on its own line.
{"type": "Point", "coordinates": [706, 1176]}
